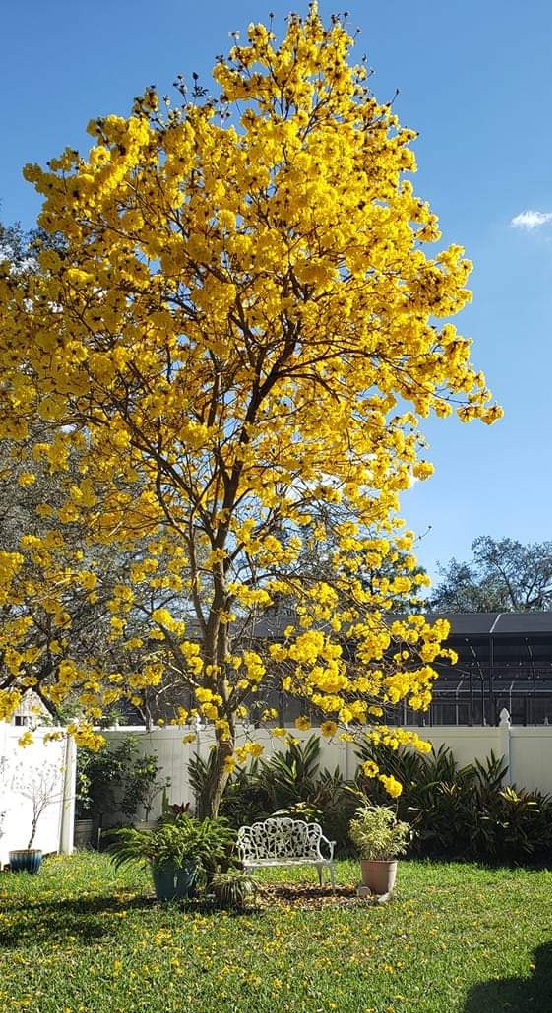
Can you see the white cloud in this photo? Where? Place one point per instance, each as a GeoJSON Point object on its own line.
{"type": "Point", "coordinates": [531, 219]}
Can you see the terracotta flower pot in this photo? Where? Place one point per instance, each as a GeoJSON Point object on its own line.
{"type": "Point", "coordinates": [379, 876]}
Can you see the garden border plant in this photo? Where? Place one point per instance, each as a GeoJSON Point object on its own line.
{"type": "Point", "coordinates": [466, 813]}
{"type": "Point", "coordinates": [289, 783]}
{"type": "Point", "coordinates": [456, 812]}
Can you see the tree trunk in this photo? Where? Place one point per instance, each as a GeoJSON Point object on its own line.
{"type": "Point", "coordinates": [218, 790]}
{"type": "Point", "coordinates": [215, 647]}
{"type": "Point", "coordinates": [209, 800]}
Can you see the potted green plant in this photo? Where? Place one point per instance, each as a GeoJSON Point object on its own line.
{"type": "Point", "coordinates": [142, 787]}
{"type": "Point", "coordinates": [116, 780]}
{"type": "Point", "coordinates": [379, 838]}
{"type": "Point", "coordinates": [176, 850]}
{"type": "Point", "coordinates": [234, 889]}
{"type": "Point", "coordinates": [41, 787]}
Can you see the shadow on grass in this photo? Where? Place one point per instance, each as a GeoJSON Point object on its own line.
{"type": "Point", "coordinates": [87, 919]}
{"type": "Point", "coordinates": [90, 919]}
{"type": "Point", "coordinates": [512, 995]}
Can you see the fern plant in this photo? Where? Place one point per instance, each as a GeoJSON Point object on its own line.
{"type": "Point", "coordinates": [174, 843]}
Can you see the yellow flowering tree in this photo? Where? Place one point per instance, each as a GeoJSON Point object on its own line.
{"type": "Point", "coordinates": [239, 332]}
{"type": "Point", "coordinates": [51, 619]}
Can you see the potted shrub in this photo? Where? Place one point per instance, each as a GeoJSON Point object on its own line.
{"type": "Point", "coordinates": [379, 838]}
{"type": "Point", "coordinates": [41, 787]}
{"type": "Point", "coordinates": [175, 851]}
{"type": "Point", "coordinates": [116, 780]}
{"type": "Point", "coordinates": [234, 889]}
{"type": "Point", "coordinates": [142, 787]}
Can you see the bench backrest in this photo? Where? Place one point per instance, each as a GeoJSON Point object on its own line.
{"type": "Point", "coordinates": [280, 837]}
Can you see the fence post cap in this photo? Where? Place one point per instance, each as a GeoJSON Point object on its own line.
{"type": "Point", "coordinates": [504, 718]}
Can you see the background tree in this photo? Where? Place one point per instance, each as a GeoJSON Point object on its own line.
{"type": "Point", "coordinates": [14, 243]}
{"type": "Point", "coordinates": [19, 246]}
{"type": "Point", "coordinates": [502, 576]}
{"type": "Point", "coordinates": [240, 331]}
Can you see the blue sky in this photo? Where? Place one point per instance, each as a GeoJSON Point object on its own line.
{"type": "Point", "coordinates": [475, 80]}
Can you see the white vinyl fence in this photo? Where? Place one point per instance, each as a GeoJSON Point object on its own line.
{"type": "Point", "coordinates": [527, 750]}
{"type": "Point", "coordinates": [44, 770]}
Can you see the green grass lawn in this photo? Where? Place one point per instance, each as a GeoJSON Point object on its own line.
{"type": "Point", "coordinates": [80, 938]}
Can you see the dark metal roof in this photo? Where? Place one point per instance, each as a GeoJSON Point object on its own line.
{"type": "Point", "coordinates": [469, 624]}
{"type": "Point", "coordinates": [500, 623]}
{"type": "Point", "coordinates": [271, 624]}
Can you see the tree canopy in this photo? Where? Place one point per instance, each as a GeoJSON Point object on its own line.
{"type": "Point", "coordinates": [502, 576]}
{"type": "Point", "coordinates": [237, 332]}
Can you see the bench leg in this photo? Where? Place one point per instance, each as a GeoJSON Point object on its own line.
{"type": "Point", "coordinates": [319, 869]}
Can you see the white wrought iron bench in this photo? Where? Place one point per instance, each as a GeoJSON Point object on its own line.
{"type": "Point", "coordinates": [282, 841]}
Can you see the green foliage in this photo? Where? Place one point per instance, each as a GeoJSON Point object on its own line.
{"type": "Point", "coordinates": [301, 811]}
{"type": "Point", "coordinates": [290, 783]}
{"type": "Point", "coordinates": [234, 889]}
{"type": "Point", "coordinates": [242, 797]}
{"type": "Point", "coordinates": [117, 778]}
{"type": "Point", "coordinates": [207, 842]}
{"type": "Point", "coordinates": [336, 804]}
{"type": "Point", "coordinates": [516, 826]}
{"type": "Point", "coordinates": [502, 576]}
{"type": "Point", "coordinates": [291, 776]}
{"type": "Point", "coordinates": [463, 812]}
{"type": "Point", "coordinates": [455, 812]}
{"type": "Point", "coordinates": [143, 784]}
{"type": "Point", "coordinates": [377, 834]}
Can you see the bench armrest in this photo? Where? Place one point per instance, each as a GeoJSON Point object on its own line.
{"type": "Point", "coordinates": [327, 844]}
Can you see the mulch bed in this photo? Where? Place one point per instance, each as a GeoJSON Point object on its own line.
{"type": "Point", "coordinates": [307, 896]}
